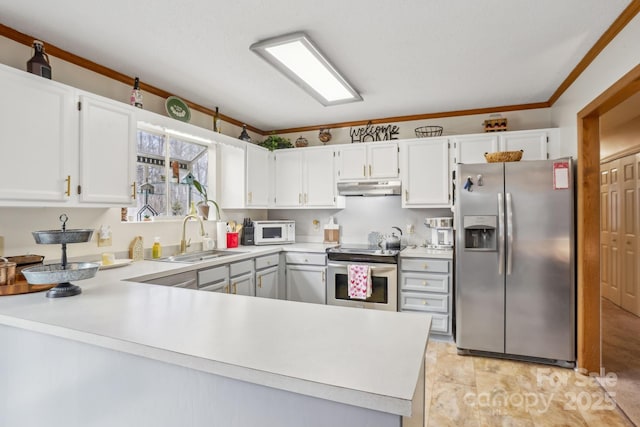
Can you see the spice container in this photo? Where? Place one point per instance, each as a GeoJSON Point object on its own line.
{"type": "Point", "coordinates": [7, 272]}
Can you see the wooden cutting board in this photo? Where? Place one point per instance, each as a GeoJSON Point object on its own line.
{"type": "Point", "coordinates": [22, 287]}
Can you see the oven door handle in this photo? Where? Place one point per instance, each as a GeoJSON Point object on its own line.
{"type": "Point", "coordinates": [389, 267]}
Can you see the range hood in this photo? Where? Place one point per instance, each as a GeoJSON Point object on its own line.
{"type": "Point", "coordinates": [370, 188]}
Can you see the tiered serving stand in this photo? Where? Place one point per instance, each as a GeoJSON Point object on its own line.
{"type": "Point", "coordinates": [65, 272]}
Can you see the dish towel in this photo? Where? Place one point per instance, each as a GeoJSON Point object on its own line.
{"type": "Point", "coordinates": [359, 281]}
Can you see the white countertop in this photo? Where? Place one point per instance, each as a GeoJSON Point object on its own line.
{"type": "Point", "coordinates": [359, 357]}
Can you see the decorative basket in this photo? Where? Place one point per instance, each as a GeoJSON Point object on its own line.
{"type": "Point", "coordinates": [503, 156]}
{"type": "Point", "coordinates": [426, 131]}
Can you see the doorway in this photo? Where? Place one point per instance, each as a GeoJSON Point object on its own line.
{"type": "Point", "coordinates": [591, 323]}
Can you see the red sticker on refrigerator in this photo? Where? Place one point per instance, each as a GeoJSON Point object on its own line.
{"type": "Point", "coordinates": [560, 175]}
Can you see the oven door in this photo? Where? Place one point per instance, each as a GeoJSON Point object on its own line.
{"type": "Point", "coordinates": [384, 284]}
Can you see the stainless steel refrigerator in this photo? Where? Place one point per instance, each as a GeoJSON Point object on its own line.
{"type": "Point", "coordinates": [515, 270]}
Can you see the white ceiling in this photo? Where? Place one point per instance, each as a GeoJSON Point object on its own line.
{"type": "Point", "coordinates": [405, 57]}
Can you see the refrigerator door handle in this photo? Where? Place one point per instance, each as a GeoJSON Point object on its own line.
{"type": "Point", "coordinates": [509, 234]}
{"type": "Point", "coordinates": [500, 234]}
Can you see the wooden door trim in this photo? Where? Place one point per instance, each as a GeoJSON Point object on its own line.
{"type": "Point", "coordinates": [588, 217]}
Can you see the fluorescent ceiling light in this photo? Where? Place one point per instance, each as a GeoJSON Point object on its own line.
{"type": "Point", "coordinates": [296, 57]}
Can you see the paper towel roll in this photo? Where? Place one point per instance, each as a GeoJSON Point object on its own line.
{"type": "Point", "coordinates": [221, 234]}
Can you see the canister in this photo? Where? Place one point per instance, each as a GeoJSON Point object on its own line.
{"type": "Point", "coordinates": [7, 272]}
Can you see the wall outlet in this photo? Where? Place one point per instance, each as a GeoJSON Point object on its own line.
{"type": "Point", "coordinates": [410, 229]}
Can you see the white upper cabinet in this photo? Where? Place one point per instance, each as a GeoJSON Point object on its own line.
{"type": "Point", "coordinates": [39, 141]}
{"type": "Point", "coordinates": [383, 160]}
{"type": "Point", "coordinates": [305, 178]}
{"type": "Point", "coordinates": [425, 173]}
{"type": "Point", "coordinates": [471, 148]}
{"type": "Point", "coordinates": [368, 161]}
{"type": "Point", "coordinates": [107, 151]}
{"type": "Point", "coordinates": [258, 176]}
{"type": "Point", "coordinates": [288, 178]}
{"type": "Point", "coordinates": [318, 177]}
{"type": "Point", "coordinates": [533, 143]}
{"type": "Point", "coordinates": [231, 176]}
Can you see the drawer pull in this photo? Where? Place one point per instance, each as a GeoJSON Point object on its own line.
{"type": "Point", "coordinates": [424, 302]}
{"type": "Point", "coordinates": [259, 281]}
{"type": "Point", "coordinates": [235, 288]}
{"type": "Point", "coordinates": [425, 266]}
{"type": "Point", "coordinates": [226, 289]}
{"type": "Point", "coordinates": [424, 283]}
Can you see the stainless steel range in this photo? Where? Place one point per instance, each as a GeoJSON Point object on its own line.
{"type": "Point", "coordinates": [383, 267]}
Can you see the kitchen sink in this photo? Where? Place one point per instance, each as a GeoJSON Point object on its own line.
{"type": "Point", "coordinates": [198, 256]}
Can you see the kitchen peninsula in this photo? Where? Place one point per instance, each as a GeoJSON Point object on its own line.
{"type": "Point", "coordinates": [125, 353]}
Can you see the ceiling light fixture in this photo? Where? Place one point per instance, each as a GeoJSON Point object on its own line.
{"type": "Point", "coordinates": [299, 59]}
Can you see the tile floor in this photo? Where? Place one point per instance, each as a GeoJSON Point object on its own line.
{"type": "Point", "coordinates": [477, 391]}
{"type": "Point", "coordinates": [621, 357]}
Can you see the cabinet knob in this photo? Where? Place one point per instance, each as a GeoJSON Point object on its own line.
{"type": "Point", "coordinates": [364, 170]}
{"type": "Point", "coordinates": [424, 302]}
{"type": "Point", "coordinates": [425, 266]}
{"type": "Point", "coordinates": [369, 170]}
{"type": "Point", "coordinates": [424, 283]}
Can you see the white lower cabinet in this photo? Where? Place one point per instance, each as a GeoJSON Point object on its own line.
{"type": "Point", "coordinates": [215, 279]}
{"type": "Point", "coordinates": [306, 277]}
{"type": "Point", "coordinates": [267, 273]}
{"type": "Point", "coordinates": [426, 286]}
{"type": "Point", "coordinates": [267, 283]}
{"type": "Point", "coordinates": [242, 276]}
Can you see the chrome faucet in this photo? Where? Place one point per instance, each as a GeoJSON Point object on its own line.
{"type": "Point", "coordinates": [183, 243]}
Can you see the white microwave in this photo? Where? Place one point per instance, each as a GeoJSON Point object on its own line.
{"type": "Point", "coordinates": [274, 232]}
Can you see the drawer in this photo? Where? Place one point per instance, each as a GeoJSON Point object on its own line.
{"type": "Point", "coordinates": [424, 302]}
{"type": "Point", "coordinates": [439, 322]}
{"type": "Point", "coordinates": [425, 264]}
{"type": "Point", "coordinates": [241, 267]}
{"type": "Point", "coordinates": [305, 258]}
{"type": "Point", "coordinates": [424, 282]}
{"type": "Point", "coordinates": [267, 261]}
{"type": "Point", "coordinates": [213, 275]}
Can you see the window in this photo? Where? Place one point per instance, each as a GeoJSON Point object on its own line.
{"type": "Point", "coordinates": [165, 169]}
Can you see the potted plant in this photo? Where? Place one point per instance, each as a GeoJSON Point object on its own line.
{"type": "Point", "coordinates": [275, 142]}
{"type": "Point", "coordinates": [203, 205]}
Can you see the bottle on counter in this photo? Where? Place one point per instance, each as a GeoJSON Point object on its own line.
{"type": "Point", "coordinates": [39, 63]}
{"type": "Point", "coordinates": [156, 249]}
{"type": "Point", "coordinates": [136, 94]}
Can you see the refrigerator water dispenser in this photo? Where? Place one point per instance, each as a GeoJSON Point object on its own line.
{"type": "Point", "coordinates": [480, 232]}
